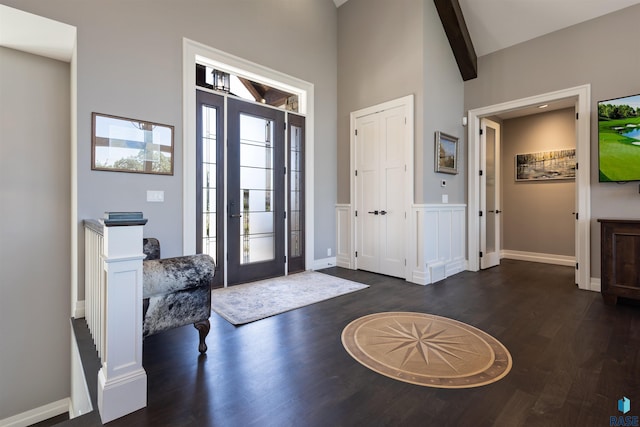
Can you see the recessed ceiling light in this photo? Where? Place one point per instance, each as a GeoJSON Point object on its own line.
{"type": "Point", "coordinates": [543, 106]}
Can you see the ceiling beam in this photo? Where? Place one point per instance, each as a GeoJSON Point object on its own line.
{"type": "Point", "coordinates": [459, 38]}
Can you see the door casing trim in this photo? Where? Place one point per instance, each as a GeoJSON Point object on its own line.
{"type": "Point", "coordinates": [582, 96]}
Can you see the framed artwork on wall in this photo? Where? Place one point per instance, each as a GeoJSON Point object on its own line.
{"type": "Point", "coordinates": [546, 165]}
{"type": "Point", "coordinates": [120, 144]}
{"type": "Point", "coordinates": [446, 155]}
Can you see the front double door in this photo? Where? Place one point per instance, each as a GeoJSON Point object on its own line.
{"type": "Point", "coordinates": [252, 217]}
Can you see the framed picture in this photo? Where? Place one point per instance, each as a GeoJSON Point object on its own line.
{"type": "Point", "coordinates": [546, 165]}
{"type": "Point", "coordinates": [120, 144]}
{"type": "Point", "coordinates": [446, 153]}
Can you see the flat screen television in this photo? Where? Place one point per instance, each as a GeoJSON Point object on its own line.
{"type": "Point", "coordinates": [619, 139]}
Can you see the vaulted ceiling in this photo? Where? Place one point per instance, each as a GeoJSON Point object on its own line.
{"type": "Point", "coordinates": [497, 24]}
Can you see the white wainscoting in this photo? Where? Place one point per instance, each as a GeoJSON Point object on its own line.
{"type": "Point", "coordinates": [344, 236]}
{"type": "Point", "coordinates": [438, 249]}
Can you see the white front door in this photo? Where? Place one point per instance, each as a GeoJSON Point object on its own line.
{"type": "Point", "coordinates": [380, 197]}
{"type": "Point", "coordinates": [490, 212]}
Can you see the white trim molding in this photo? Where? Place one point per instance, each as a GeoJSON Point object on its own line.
{"type": "Point", "coordinates": [319, 264]}
{"type": "Point", "coordinates": [438, 242]}
{"type": "Point", "coordinates": [38, 414]}
{"type": "Point", "coordinates": [344, 236]}
{"type": "Point", "coordinates": [569, 261]}
{"type": "Point", "coordinates": [595, 285]}
{"type": "Point", "coordinates": [78, 309]}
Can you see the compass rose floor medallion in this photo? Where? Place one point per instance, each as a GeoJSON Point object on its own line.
{"type": "Point", "coordinates": [426, 350]}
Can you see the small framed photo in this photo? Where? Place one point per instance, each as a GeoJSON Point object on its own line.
{"type": "Point", "coordinates": [446, 153]}
{"type": "Point", "coordinates": [120, 144]}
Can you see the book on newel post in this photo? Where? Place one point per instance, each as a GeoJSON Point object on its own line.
{"type": "Point", "coordinates": [123, 218]}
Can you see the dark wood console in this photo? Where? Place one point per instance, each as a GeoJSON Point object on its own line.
{"type": "Point", "coordinates": [620, 255]}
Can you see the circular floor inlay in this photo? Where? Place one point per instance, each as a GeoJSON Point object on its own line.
{"type": "Point", "coordinates": [427, 350]}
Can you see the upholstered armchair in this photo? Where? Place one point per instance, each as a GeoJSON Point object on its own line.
{"type": "Point", "coordinates": [176, 291]}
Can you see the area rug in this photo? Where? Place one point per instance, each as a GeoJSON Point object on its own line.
{"type": "Point", "coordinates": [426, 350]}
{"type": "Point", "coordinates": [254, 301]}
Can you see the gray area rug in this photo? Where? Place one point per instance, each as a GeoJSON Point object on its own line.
{"type": "Point", "coordinates": [254, 301]}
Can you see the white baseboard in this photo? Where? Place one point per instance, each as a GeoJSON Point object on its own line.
{"type": "Point", "coordinates": [420, 278]}
{"type": "Point", "coordinates": [319, 264]}
{"type": "Point", "coordinates": [344, 262]}
{"type": "Point", "coordinates": [37, 414]}
{"type": "Point", "coordinates": [78, 309]}
{"type": "Point", "coordinates": [568, 261]}
{"type": "Point", "coordinates": [595, 285]}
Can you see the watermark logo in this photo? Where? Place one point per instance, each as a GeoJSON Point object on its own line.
{"type": "Point", "coordinates": [624, 406]}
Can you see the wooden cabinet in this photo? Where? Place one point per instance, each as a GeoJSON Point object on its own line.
{"type": "Point", "coordinates": [620, 255]}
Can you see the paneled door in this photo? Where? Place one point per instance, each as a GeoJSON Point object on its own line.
{"type": "Point", "coordinates": [380, 175]}
{"type": "Point", "coordinates": [490, 194]}
{"type": "Point", "coordinates": [255, 192]}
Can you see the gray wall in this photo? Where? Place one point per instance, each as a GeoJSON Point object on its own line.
{"type": "Point", "coordinates": [387, 50]}
{"type": "Point", "coordinates": [34, 231]}
{"type": "Point", "coordinates": [130, 64]}
{"type": "Point", "coordinates": [537, 215]}
{"type": "Point", "coordinates": [595, 52]}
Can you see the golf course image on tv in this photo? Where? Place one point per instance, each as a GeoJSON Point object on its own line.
{"type": "Point", "coordinates": [619, 139]}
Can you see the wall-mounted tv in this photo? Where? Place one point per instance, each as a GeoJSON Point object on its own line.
{"type": "Point", "coordinates": [619, 139]}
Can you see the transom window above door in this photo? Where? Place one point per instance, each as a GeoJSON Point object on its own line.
{"type": "Point", "coordinates": [244, 88]}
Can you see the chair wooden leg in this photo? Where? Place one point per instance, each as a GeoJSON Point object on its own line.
{"type": "Point", "coordinates": [203, 328]}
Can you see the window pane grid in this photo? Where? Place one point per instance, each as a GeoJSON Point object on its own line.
{"type": "Point", "coordinates": [257, 239]}
{"type": "Point", "coordinates": [209, 142]}
{"type": "Point", "coordinates": [295, 183]}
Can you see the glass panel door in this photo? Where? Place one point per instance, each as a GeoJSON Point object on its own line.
{"type": "Point", "coordinates": [295, 152]}
{"type": "Point", "coordinates": [209, 178]}
{"type": "Point", "coordinates": [255, 209]}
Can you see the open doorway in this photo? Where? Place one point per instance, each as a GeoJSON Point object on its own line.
{"type": "Point", "coordinates": [529, 204]}
{"type": "Point", "coordinates": [580, 98]}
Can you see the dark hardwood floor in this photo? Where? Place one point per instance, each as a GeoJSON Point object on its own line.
{"type": "Point", "coordinates": [573, 358]}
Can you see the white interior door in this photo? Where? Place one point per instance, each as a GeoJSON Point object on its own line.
{"type": "Point", "coordinates": [490, 212]}
{"type": "Point", "coordinates": [380, 166]}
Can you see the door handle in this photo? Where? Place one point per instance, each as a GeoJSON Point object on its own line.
{"type": "Point", "coordinates": [383, 212]}
{"type": "Point", "coordinates": [498, 211]}
{"type": "Point", "coordinates": [374, 212]}
{"type": "Point", "coordinates": [235, 215]}
{"type": "Point", "coordinates": [493, 211]}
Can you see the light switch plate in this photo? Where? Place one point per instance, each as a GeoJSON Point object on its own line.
{"type": "Point", "coordinates": [445, 198]}
{"type": "Point", "coordinates": [155, 196]}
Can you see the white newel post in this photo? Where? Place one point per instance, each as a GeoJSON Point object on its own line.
{"type": "Point", "coordinates": [122, 381]}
